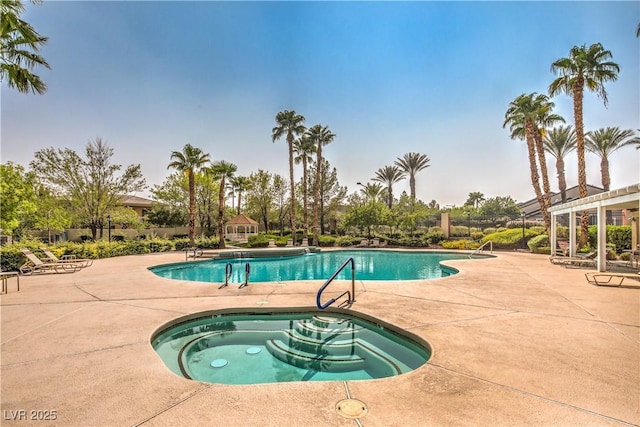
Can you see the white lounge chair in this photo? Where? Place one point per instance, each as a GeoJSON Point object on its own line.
{"type": "Point", "coordinates": [36, 265]}
{"type": "Point", "coordinates": [610, 279]}
{"type": "Point", "coordinates": [71, 259]}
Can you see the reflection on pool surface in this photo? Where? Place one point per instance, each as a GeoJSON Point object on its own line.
{"type": "Point", "coordinates": [267, 347]}
{"type": "Point", "coordinates": [369, 265]}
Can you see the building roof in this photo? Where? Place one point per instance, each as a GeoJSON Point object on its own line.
{"type": "Point", "coordinates": [242, 219]}
{"type": "Point", "coordinates": [531, 208]}
{"type": "Point", "coordinates": [129, 200]}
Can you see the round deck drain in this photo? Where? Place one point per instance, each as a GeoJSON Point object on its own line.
{"type": "Point", "coordinates": [351, 408]}
{"type": "Point", "coordinates": [219, 363]}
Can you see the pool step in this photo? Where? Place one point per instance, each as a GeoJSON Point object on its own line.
{"type": "Point", "coordinates": [325, 332]}
{"type": "Point", "coordinates": [318, 362]}
{"type": "Point", "coordinates": [333, 345]}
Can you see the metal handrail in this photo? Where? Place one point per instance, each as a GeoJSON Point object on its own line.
{"type": "Point", "coordinates": [350, 294]}
{"type": "Point", "coordinates": [490, 243]}
{"type": "Point", "coordinates": [247, 272]}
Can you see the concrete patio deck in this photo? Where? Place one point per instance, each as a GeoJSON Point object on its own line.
{"type": "Point", "coordinates": [517, 341]}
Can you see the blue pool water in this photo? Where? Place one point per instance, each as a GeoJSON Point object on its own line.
{"type": "Point", "coordinates": [369, 265]}
{"type": "Point", "coordinates": [267, 347]}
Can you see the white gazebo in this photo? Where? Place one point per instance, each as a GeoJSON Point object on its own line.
{"type": "Point", "coordinates": [627, 199]}
{"type": "Point", "coordinates": [240, 227]}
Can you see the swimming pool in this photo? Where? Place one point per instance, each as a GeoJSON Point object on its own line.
{"type": "Point", "coordinates": [305, 345]}
{"type": "Point", "coordinates": [369, 265]}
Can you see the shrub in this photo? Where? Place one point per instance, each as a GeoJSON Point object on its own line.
{"type": "Point", "coordinates": [459, 230]}
{"type": "Point", "coordinates": [325, 241]}
{"type": "Point", "coordinates": [259, 240]}
{"type": "Point", "coordinates": [435, 235]}
{"type": "Point", "coordinates": [509, 238]}
{"type": "Point", "coordinates": [539, 244]}
{"type": "Point", "coordinates": [345, 241]}
{"type": "Point", "coordinates": [460, 244]}
{"type": "Point", "coordinates": [619, 236]}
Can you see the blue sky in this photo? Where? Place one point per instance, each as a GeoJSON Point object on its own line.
{"type": "Point", "coordinates": [387, 78]}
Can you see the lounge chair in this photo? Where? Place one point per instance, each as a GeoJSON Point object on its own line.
{"type": "Point", "coordinates": [70, 259]}
{"type": "Point", "coordinates": [584, 260]}
{"type": "Point", "coordinates": [36, 265]}
{"type": "Point", "coordinates": [610, 279]}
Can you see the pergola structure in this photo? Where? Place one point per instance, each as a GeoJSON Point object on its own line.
{"type": "Point", "coordinates": [240, 227]}
{"type": "Point", "coordinates": [627, 199]}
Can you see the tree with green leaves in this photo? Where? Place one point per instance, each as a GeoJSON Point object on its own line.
{"type": "Point", "coordinates": [189, 161]}
{"type": "Point", "coordinates": [171, 201]}
{"type": "Point", "coordinates": [223, 171]}
{"type": "Point", "coordinates": [92, 185]}
{"type": "Point", "coordinates": [289, 124]}
{"type": "Point", "coordinates": [372, 191]}
{"type": "Point", "coordinates": [304, 148]}
{"type": "Point", "coordinates": [320, 136]}
{"type": "Point", "coordinates": [411, 164]}
{"type": "Point", "coordinates": [604, 142]}
{"type": "Point", "coordinates": [388, 176]}
{"type": "Point", "coordinates": [475, 199]}
{"type": "Point", "coordinates": [585, 67]}
{"type": "Point", "coordinates": [559, 142]}
{"type": "Point", "coordinates": [18, 198]}
{"type": "Point", "coordinates": [240, 185]}
{"type": "Point", "coordinates": [526, 116]}
{"type": "Point", "coordinates": [20, 45]}
{"type": "Point", "coordinates": [499, 207]}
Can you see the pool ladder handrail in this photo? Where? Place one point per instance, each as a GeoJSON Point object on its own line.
{"type": "Point", "coordinates": [481, 248]}
{"type": "Point", "coordinates": [247, 271]}
{"type": "Point", "coordinates": [228, 269]}
{"type": "Point", "coordinates": [351, 295]}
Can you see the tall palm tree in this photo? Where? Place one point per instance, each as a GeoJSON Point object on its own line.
{"type": "Point", "coordinates": [411, 164]}
{"type": "Point", "coordinates": [372, 192]}
{"type": "Point", "coordinates": [474, 199]}
{"type": "Point", "coordinates": [190, 160]}
{"type": "Point", "coordinates": [526, 115]}
{"type": "Point", "coordinates": [19, 47]}
{"type": "Point", "coordinates": [559, 142]}
{"type": "Point", "coordinates": [222, 170]}
{"type": "Point", "coordinates": [389, 175]}
{"type": "Point", "coordinates": [304, 148]}
{"type": "Point", "coordinates": [320, 136]}
{"type": "Point", "coordinates": [240, 185]}
{"type": "Point", "coordinates": [603, 142]}
{"type": "Point", "coordinates": [291, 124]}
{"type": "Point", "coordinates": [584, 67]}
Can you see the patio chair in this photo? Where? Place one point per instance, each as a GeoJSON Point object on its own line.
{"type": "Point", "coordinates": [587, 259]}
{"type": "Point", "coordinates": [611, 279]}
{"type": "Point", "coordinates": [36, 265]}
{"type": "Point", "coordinates": [71, 259]}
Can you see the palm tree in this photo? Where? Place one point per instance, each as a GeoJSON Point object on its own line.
{"type": "Point", "coordinates": [603, 142]}
{"type": "Point", "coordinates": [474, 199]}
{"type": "Point", "coordinates": [372, 192]}
{"type": "Point", "coordinates": [411, 164]}
{"type": "Point", "coordinates": [289, 123]}
{"type": "Point", "coordinates": [304, 147]}
{"type": "Point", "coordinates": [189, 161]}
{"type": "Point", "coordinates": [525, 116]}
{"type": "Point", "coordinates": [584, 67]}
{"type": "Point", "coordinates": [222, 170]}
{"type": "Point", "coordinates": [320, 136]}
{"type": "Point", "coordinates": [559, 142]}
{"type": "Point", "coordinates": [389, 175]}
{"type": "Point", "coordinates": [19, 47]}
{"type": "Point", "coordinates": [240, 185]}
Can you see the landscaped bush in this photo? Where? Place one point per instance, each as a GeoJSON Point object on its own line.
{"type": "Point", "coordinates": [324, 241]}
{"type": "Point", "coordinates": [509, 238]}
{"type": "Point", "coordinates": [618, 236]}
{"type": "Point", "coordinates": [345, 241]}
{"type": "Point", "coordinates": [460, 244]}
{"type": "Point", "coordinates": [489, 230]}
{"type": "Point", "coordinates": [539, 244]}
{"type": "Point", "coordinates": [435, 235]}
{"type": "Point", "coordinates": [260, 240]}
{"type": "Point", "coordinates": [458, 230]}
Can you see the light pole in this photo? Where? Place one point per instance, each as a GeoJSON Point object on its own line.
{"type": "Point", "coordinates": [109, 226]}
{"type": "Point", "coordinates": [524, 215]}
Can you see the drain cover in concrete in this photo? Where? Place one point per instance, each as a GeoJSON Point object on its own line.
{"type": "Point", "coordinates": [351, 408]}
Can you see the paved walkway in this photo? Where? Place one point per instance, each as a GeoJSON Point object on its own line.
{"type": "Point", "coordinates": [517, 341]}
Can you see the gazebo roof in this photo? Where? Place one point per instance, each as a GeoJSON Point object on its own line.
{"type": "Point", "coordinates": [242, 219]}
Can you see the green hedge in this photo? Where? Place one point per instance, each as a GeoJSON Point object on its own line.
{"type": "Point", "coordinates": [460, 244]}
{"type": "Point", "coordinates": [618, 236]}
{"type": "Point", "coordinates": [539, 244]}
{"type": "Point", "coordinates": [509, 238]}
